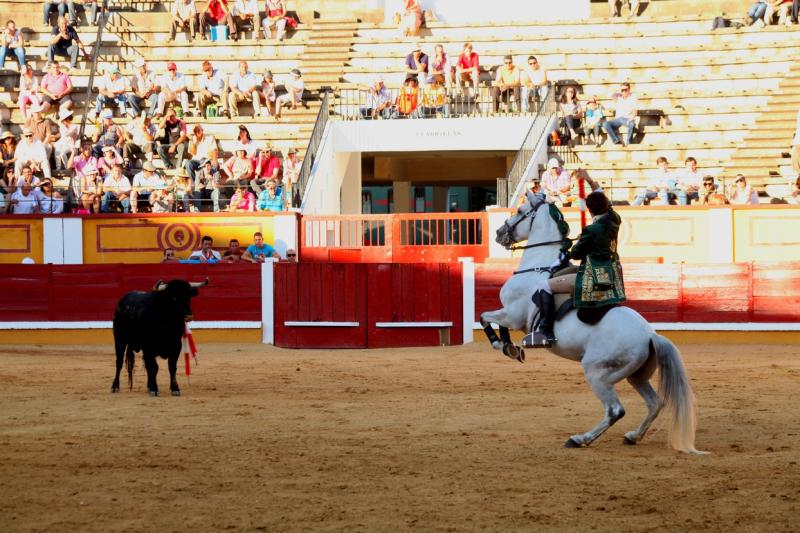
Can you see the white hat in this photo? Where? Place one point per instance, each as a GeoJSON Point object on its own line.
{"type": "Point", "coordinates": [64, 113]}
{"type": "Point", "coordinates": [107, 113]}
{"type": "Point", "coordinates": [138, 62]}
{"type": "Point", "coordinates": [553, 163]}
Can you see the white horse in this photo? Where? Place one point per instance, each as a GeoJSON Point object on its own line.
{"type": "Point", "coordinates": [622, 345]}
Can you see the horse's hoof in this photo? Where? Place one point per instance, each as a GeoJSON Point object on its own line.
{"type": "Point", "coordinates": [521, 356]}
{"type": "Point", "coordinates": [514, 352]}
{"type": "Point", "coordinates": [153, 392]}
{"type": "Point", "coordinates": [571, 443]}
{"type": "Point", "coordinates": [627, 441]}
{"type": "Point", "coordinates": [175, 393]}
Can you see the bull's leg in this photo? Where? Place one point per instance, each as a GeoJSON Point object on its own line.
{"type": "Point", "coordinates": [119, 347]}
{"type": "Point", "coordinates": [173, 369]}
{"type": "Point", "coordinates": [151, 365]}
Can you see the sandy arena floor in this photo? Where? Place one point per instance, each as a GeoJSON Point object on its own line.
{"type": "Point", "coordinates": [418, 439]}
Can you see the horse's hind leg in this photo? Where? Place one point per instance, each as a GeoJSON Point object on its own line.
{"type": "Point", "coordinates": [640, 380]}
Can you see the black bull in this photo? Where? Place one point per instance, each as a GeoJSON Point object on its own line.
{"type": "Point", "coordinates": [154, 323]}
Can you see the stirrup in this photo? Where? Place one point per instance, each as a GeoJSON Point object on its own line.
{"type": "Point", "coordinates": [537, 339]}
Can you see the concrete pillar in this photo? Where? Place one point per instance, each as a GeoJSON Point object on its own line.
{"type": "Point", "coordinates": [402, 196]}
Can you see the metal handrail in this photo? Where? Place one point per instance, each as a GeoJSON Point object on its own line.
{"type": "Point", "coordinates": [311, 151]}
{"type": "Point", "coordinates": [523, 158]}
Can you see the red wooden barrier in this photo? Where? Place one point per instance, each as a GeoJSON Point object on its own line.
{"type": "Point", "coordinates": [90, 292]}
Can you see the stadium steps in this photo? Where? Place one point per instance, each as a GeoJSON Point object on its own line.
{"type": "Point", "coordinates": [327, 52]}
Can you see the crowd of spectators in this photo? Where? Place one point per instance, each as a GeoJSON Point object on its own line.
{"type": "Point", "coordinates": [258, 252]}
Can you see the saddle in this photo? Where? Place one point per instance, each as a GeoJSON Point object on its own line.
{"type": "Point", "coordinates": [587, 315]}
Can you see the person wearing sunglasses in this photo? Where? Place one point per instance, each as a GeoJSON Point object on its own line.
{"type": "Point", "coordinates": [534, 83]}
{"type": "Point", "coordinates": [173, 89]}
{"type": "Point", "coordinates": [506, 85]}
{"type": "Point", "coordinates": [742, 193]}
{"type": "Point", "coordinates": [31, 152]}
{"type": "Point", "coordinates": [169, 256]}
{"type": "Point", "coordinates": [626, 108]}
{"type": "Point", "coordinates": [50, 201]}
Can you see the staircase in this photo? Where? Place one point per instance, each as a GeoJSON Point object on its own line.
{"type": "Point", "coordinates": [327, 52]}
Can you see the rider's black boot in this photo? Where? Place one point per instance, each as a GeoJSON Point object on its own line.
{"type": "Point", "coordinates": [543, 336]}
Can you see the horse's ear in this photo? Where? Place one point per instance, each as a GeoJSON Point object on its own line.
{"type": "Point", "coordinates": [531, 197]}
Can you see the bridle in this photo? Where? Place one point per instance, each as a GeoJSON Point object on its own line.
{"type": "Point", "coordinates": [531, 215]}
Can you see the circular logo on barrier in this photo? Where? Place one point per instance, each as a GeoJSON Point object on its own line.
{"type": "Point", "coordinates": [180, 237]}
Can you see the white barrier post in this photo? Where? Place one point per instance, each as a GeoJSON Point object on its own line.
{"type": "Point", "coordinates": [468, 297]}
{"type": "Point", "coordinates": [268, 301]}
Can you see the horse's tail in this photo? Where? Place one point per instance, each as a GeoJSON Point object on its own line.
{"type": "Point", "coordinates": [676, 394]}
{"type": "Point", "coordinates": [130, 361]}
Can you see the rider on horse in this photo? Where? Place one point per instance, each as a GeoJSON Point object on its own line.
{"type": "Point", "coordinates": [598, 281]}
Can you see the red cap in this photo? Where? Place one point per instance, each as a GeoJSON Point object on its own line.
{"type": "Point", "coordinates": [172, 66]}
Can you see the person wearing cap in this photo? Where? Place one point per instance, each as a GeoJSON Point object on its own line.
{"type": "Point", "coordinates": [244, 86]}
{"type": "Point", "coordinates": [173, 89]}
{"type": "Point", "coordinates": [66, 43]}
{"type": "Point", "coordinates": [108, 134]}
{"type": "Point", "coordinates": [111, 89]}
{"type": "Point", "coordinates": [246, 12]}
{"type": "Point", "coordinates": [294, 92]}
{"type": "Point", "coordinates": [28, 90]}
{"type": "Point", "coordinates": [593, 118]}
{"type": "Point", "coordinates": [144, 183]}
{"type": "Point", "coordinates": [267, 93]}
{"type": "Point", "coordinates": [116, 188]}
{"type": "Point", "coordinates": [417, 64]}
{"type": "Point", "coordinates": [12, 43]}
{"type": "Point", "coordinates": [140, 135]}
{"type": "Point", "coordinates": [213, 87]}
{"type": "Point", "coordinates": [181, 186]}
{"type": "Point", "coordinates": [110, 159]}
{"type": "Point", "coordinates": [410, 18]}
{"type": "Point", "coordinates": [267, 167]}
{"type": "Point", "coordinates": [555, 183]}
{"type": "Point", "coordinates": [56, 88]}
{"type": "Point", "coordinates": [274, 23]}
{"type": "Point", "coordinates": [379, 101]}
{"type": "Point", "coordinates": [144, 87]}
{"type": "Point", "coordinates": [506, 85]}
{"type": "Point", "coordinates": [239, 167]}
{"type": "Point", "coordinates": [217, 12]}
{"type": "Point", "coordinates": [468, 69]}
{"type": "Point", "coordinates": [68, 138]}
{"type": "Point", "coordinates": [534, 83]}
{"type": "Point", "coordinates": [31, 152]}
{"type": "Point", "coordinates": [174, 141]}
{"type": "Point", "coordinates": [291, 173]}
{"type": "Point", "coordinates": [90, 187]}
{"type": "Point", "coordinates": [49, 201]}
{"type": "Point", "coordinates": [184, 16]}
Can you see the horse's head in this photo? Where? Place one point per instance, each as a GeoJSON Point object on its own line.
{"type": "Point", "coordinates": [518, 227]}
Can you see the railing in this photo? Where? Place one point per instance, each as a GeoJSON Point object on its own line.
{"type": "Point", "coordinates": [359, 104]}
{"type": "Point", "coordinates": [523, 158]}
{"type": "Point", "coordinates": [399, 238]}
{"type": "Point", "coordinates": [311, 150]}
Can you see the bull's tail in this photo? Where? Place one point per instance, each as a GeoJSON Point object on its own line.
{"type": "Point", "coordinates": [130, 361]}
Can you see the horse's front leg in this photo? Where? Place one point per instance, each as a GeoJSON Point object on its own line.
{"type": "Point", "coordinates": [503, 342]}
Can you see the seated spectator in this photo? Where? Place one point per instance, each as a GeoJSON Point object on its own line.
{"type": "Point", "coordinates": [244, 87]}
{"type": "Point", "coordinates": [234, 252]}
{"type": "Point", "coordinates": [184, 17]}
{"type": "Point", "coordinates": [206, 180]}
{"type": "Point", "coordinates": [291, 173]}
{"type": "Point", "coordinates": [275, 22]}
{"type": "Point", "coordinates": [555, 183]}
{"type": "Point", "coordinates": [468, 69]}
{"type": "Point", "coordinates": [26, 176]}
{"type": "Point", "coordinates": [242, 201]}
{"type": "Point", "coordinates": [270, 198]}
{"type": "Point", "coordinates": [438, 65]}
{"type": "Point", "coordinates": [756, 13]}
{"type": "Point", "coordinates": [410, 18]}
{"type": "Point", "coordinates": [795, 149]}
{"type": "Point", "coordinates": [534, 83]}
{"type": "Point", "coordinates": [593, 117]}
{"type": "Point", "coordinates": [781, 7]}
{"type": "Point", "coordinates": [408, 100]}
{"type": "Point", "coordinates": [67, 142]}
{"type": "Point", "coordinates": [742, 193]}
{"type": "Point", "coordinates": [78, 162]}
{"type": "Point", "coordinates": [435, 102]}
{"type": "Point", "coordinates": [111, 90]}
{"type": "Point", "coordinates": [794, 198]}
{"type": "Point", "coordinates": [50, 202]}
{"type": "Point", "coordinates": [144, 184]}
{"type": "Point", "coordinates": [663, 183]}
{"type": "Point", "coordinates": [246, 12]}
{"type": "Point", "coordinates": [217, 13]}
{"type": "Point", "coordinates": [506, 85]}
{"type": "Point", "coordinates": [12, 43]}
{"type": "Point", "coordinates": [144, 88]}
{"type": "Point", "coordinates": [184, 190]}
{"type": "Point", "coordinates": [267, 93]}
{"type": "Point", "coordinates": [239, 167]}
{"type": "Point", "coordinates": [108, 161]}
{"type": "Point", "coordinates": [43, 128]}
{"type": "Point", "coordinates": [691, 180]}
{"type": "Point", "coordinates": [709, 194]}
{"type": "Point", "coordinates": [24, 201]}
{"type": "Point", "coordinates": [90, 189]}
{"type": "Point", "coordinates": [56, 88]}
{"type": "Point", "coordinates": [213, 90]}
{"type": "Point", "coordinates": [31, 152]}
{"type": "Point", "coordinates": [95, 12]}
{"type": "Point", "coordinates": [221, 186]}
{"type": "Point", "coordinates": [116, 189]}
{"type": "Point", "coordinates": [616, 7]}
{"type": "Point", "coordinates": [8, 147]}
{"type": "Point", "coordinates": [206, 253]}
{"type": "Point", "coordinates": [64, 7]}
{"type": "Point", "coordinates": [247, 141]}
{"type": "Point", "coordinates": [140, 135]}
{"type": "Point", "coordinates": [65, 43]}
{"type": "Point", "coordinates": [267, 166]}
{"type": "Point", "coordinates": [294, 93]}
{"type": "Point", "coordinates": [417, 64]}
{"type": "Point", "coordinates": [379, 101]}
{"type": "Point", "coordinates": [173, 89]}
{"type": "Point", "coordinates": [174, 141]}
{"type": "Point", "coordinates": [169, 256]}
{"type": "Point", "coordinates": [162, 200]}
{"type": "Point", "coordinates": [108, 134]}
{"type": "Point", "coordinates": [570, 110]}
{"type": "Point", "coordinates": [626, 107]}
{"type": "Point", "coordinates": [291, 255]}
{"type": "Point", "coordinates": [28, 90]}
{"type": "Point", "coordinates": [202, 148]}
{"type": "Point", "coordinates": [259, 251]}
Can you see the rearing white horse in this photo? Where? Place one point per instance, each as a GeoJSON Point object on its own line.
{"type": "Point", "coordinates": [622, 345]}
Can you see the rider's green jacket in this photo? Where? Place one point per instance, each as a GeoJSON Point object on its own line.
{"type": "Point", "coordinates": [599, 280]}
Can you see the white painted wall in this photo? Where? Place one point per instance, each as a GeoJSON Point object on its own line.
{"type": "Point", "coordinates": [497, 11]}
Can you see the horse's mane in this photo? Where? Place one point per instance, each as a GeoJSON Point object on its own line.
{"type": "Point", "coordinates": [563, 227]}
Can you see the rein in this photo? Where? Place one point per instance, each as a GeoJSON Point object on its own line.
{"type": "Point", "coordinates": [560, 241]}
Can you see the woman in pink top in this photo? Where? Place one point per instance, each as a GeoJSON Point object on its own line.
{"type": "Point", "coordinates": [411, 18]}
{"type": "Point", "coordinates": [28, 90]}
{"type": "Point", "coordinates": [243, 201]}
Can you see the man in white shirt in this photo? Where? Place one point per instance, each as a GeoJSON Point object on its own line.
{"type": "Point", "coordinates": [139, 136]}
{"type": "Point", "coordinates": [144, 86]}
{"type": "Point", "coordinates": [555, 182]}
{"type": "Point", "coordinates": [144, 183]}
{"type": "Point", "coordinates": [294, 95]}
{"type": "Point", "coordinates": [244, 88]}
{"type": "Point", "coordinates": [626, 107]}
{"type": "Point", "coordinates": [213, 88]}
{"type": "Point", "coordinates": [662, 183]}
{"type": "Point", "coordinates": [111, 90]}
{"type": "Point", "coordinates": [206, 254]}
{"type": "Point", "coordinates": [534, 82]}
{"type": "Point", "coordinates": [116, 187]}
{"type": "Point", "coordinates": [691, 180]}
{"type": "Point", "coordinates": [202, 148]}
{"type": "Point", "coordinates": [24, 201]}
{"type": "Point", "coordinates": [184, 14]}
{"type": "Point", "coordinates": [244, 12]}
{"type": "Point", "coordinates": [31, 152]}
{"type": "Point", "coordinates": [173, 89]}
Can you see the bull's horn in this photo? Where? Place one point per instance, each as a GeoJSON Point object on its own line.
{"type": "Point", "coordinates": [198, 284]}
{"type": "Point", "coordinates": [159, 286]}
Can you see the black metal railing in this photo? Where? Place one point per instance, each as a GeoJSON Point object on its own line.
{"type": "Point", "coordinates": [311, 151]}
